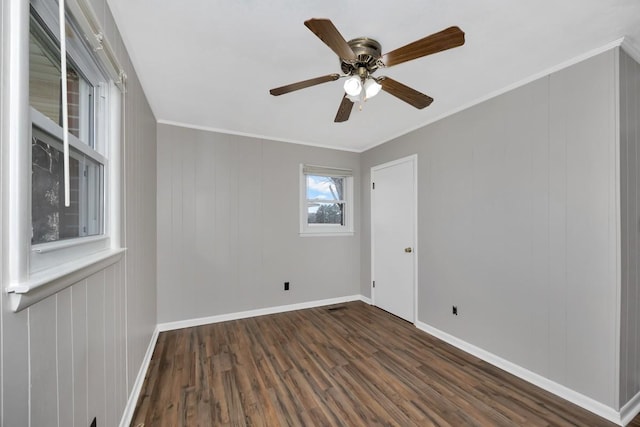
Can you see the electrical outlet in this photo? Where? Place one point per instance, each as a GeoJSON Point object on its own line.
{"type": "Point", "coordinates": [454, 310]}
{"type": "Point", "coordinates": [286, 286]}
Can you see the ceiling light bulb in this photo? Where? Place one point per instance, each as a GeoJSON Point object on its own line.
{"type": "Point", "coordinates": [353, 86]}
{"type": "Point", "coordinates": [372, 88]}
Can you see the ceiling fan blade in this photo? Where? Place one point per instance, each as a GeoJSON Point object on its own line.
{"type": "Point", "coordinates": [329, 34]}
{"type": "Point", "coordinates": [303, 84]}
{"type": "Point", "coordinates": [344, 110]}
{"type": "Point", "coordinates": [437, 42]}
{"type": "Point", "coordinates": [405, 93]}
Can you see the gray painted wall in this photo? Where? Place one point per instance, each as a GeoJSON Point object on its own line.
{"type": "Point", "coordinates": [84, 346]}
{"type": "Point", "coordinates": [228, 226]}
{"type": "Point", "coordinates": [2, 124]}
{"type": "Point", "coordinates": [517, 225]}
{"type": "Point", "coordinates": [629, 197]}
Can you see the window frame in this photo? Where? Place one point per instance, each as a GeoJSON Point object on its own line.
{"type": "Point", "coordinates": [25, 280]}
{"type": "Point", "coordinates": [47, 255]}
{"type": "Point", "coordinates": [326, 230]}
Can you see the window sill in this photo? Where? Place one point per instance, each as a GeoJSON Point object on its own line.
{"type": "Point", "coordinates": [327, 234]}
{"type": "Point", "coordinates": [48, 282]}
{"type": "Point", "coordinates": [44, 248]}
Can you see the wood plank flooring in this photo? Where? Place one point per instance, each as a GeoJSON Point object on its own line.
{"type": "Point", "coordinates": [346, 365]}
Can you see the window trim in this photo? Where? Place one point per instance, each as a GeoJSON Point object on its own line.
{"type": "Point", "coordinates": [24, 285]}
{"type": "Point", "coordinates": [41, 285]}
{"type": "Point", "coordinates": [95, 148]}
{"type": "Point", "coordinates": [326, 230]}
{"type": "Point", "coordinates": [46, 125]}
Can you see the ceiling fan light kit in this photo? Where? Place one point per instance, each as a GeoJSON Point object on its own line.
{"type": "Point", "coordinates": [361, 57]}
{"type": "Point", "coordinates": [371, 88]}
{"type": "Point", "coordinates": [353, 86]}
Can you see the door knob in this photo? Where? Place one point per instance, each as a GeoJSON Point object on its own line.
{"type": "Point", "coordinates": [408, 250]}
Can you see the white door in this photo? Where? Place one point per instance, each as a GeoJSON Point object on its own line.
{"type": "Point", "coordinates": [393, 235]}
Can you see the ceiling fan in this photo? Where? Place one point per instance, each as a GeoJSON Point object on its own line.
{"type": "Point", "coordinates": [361, 57]}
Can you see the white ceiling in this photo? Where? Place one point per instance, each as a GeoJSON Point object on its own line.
{"type": "Point", "coordinates": [210, 63]}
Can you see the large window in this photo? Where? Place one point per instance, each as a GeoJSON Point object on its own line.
{"type": "Point", "coordinates": [51, 220]}
{"type": "Point", "coordinates": [50, 244]}
{"type": "Point", "coordinates": [326, 201]}
{"type": "Point", "coordinates": [62, 234]}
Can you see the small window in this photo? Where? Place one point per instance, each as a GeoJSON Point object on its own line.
{"type": "Point", "coordinates": [326, 201]}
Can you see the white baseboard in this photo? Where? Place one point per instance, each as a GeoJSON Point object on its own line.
{"type": "Point", "coordinates": [559, 390]}
{"type": "Point", "coordinates": [629, 411]}
{"type": "Point", "coordinates": [169, 326]}
{"type": "Point", "coordinates": [365, 300]}
{"type": "Point", "coordinates": [137, 385]}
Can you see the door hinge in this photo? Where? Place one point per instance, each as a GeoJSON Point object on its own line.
{"type": "Point", "coordinates": [373, 185]}
{"type": "Point", "coordinates": [374, 283]}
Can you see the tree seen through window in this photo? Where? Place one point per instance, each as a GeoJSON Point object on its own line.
{"type": "Point", "coordinates": [325, 200]}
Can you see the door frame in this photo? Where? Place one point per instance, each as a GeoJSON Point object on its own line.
{"type": "Point", "coordinates": [414, 159]}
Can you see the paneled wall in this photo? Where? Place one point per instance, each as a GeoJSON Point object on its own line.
{"type": "Point", "coordinates": [139, 227]}
{"type": "Point", "coordinates": [3, 63]}
{"type": "Point", "coordinates": [630, 198]}
{"type": "Point", "coordinates": [74, 356]}
{"type": "Point", "coordinates": [517, 225]}
{"type": "Point", "coordinates": [228, 226]}
{"type": "Point", "coordinates": [76, 342]}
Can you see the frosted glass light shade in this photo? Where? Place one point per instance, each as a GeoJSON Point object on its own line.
{"type": "Point", "coordinates": [354, 99]}
{"type": "Point", "coordinates": [372, 88]}
{"type": "Point", "coordinates": [353, 86]}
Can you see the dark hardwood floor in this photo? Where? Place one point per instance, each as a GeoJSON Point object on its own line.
{"type": "Point", "coordinates": [347, 365]}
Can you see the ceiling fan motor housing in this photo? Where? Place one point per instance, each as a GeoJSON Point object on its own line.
{"type": "Point", "coordinates": [368, 53]}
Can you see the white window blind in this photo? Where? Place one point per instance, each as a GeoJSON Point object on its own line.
{"type": "Point", "coordinates": [325, 171]}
